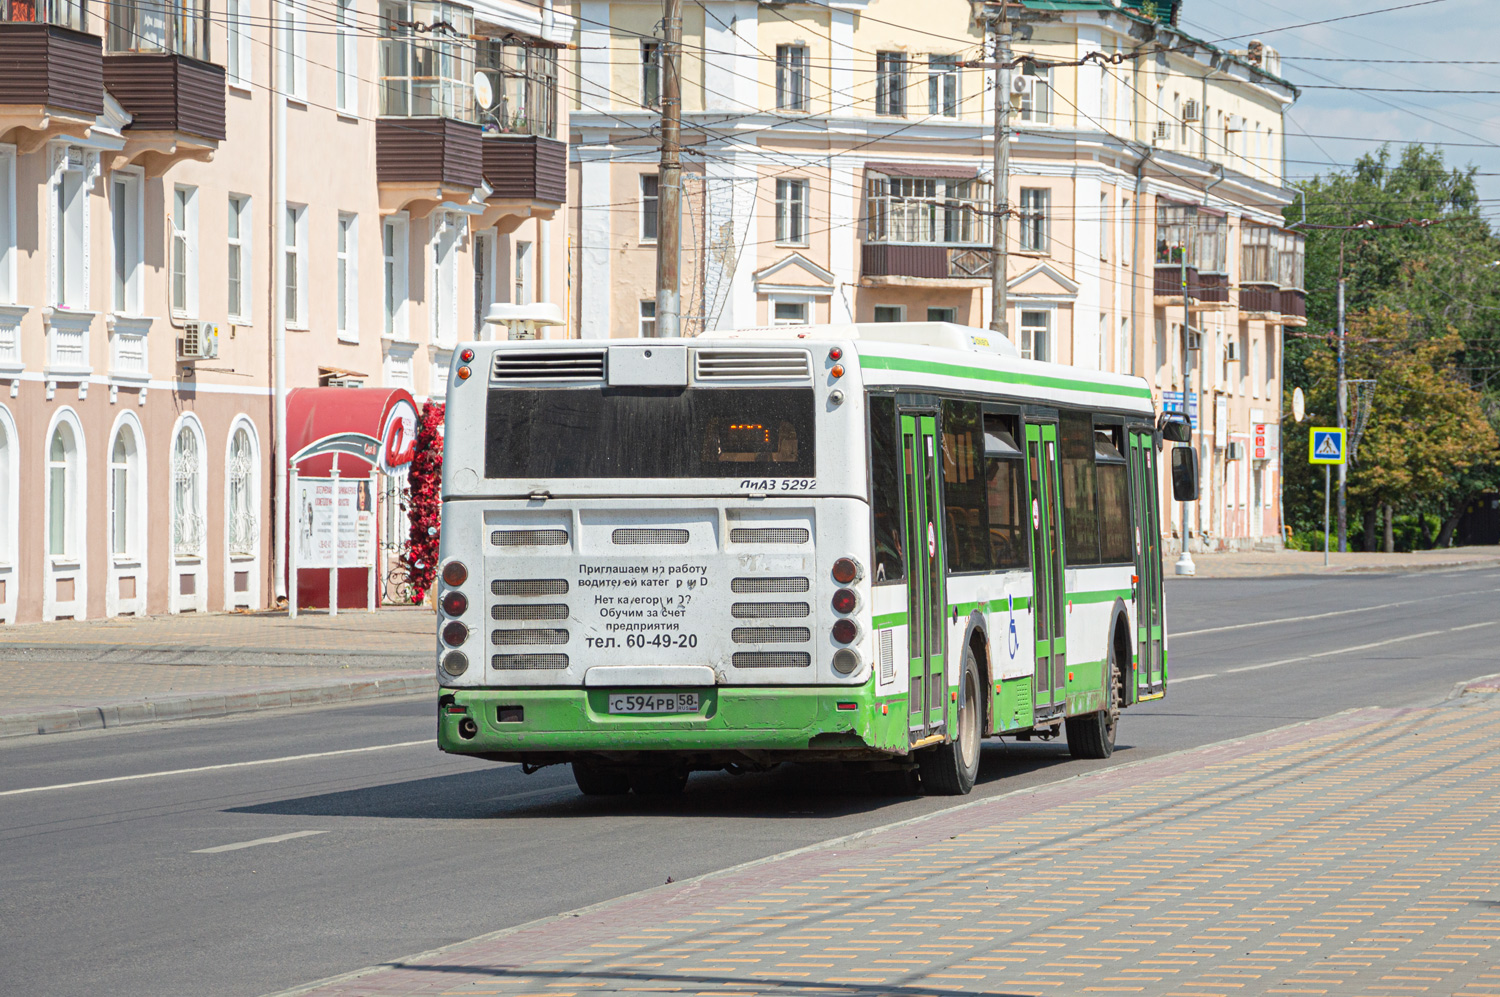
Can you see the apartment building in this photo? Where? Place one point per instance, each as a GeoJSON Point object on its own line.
{"type": "Point", "coordinates": [311, 186]}
{"type": "Point", "coordinates": [839, 159]}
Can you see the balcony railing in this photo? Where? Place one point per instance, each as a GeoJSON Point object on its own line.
{"type": "Point", "coordinates": [63, 13]}
{"type": "Point", "coordinates": [159, 27]}
{"type": "Point", "coordinates": [525, 168]}
{"type": "Point", "coordinates": [927, 211]}
{"type": "Point", "coordinates": [926, 262]}
{"type": "Point", "coordinates": [48, 59]}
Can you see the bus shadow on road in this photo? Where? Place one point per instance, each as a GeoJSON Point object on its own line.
{"type": "Point", "coordinates": [813, 791]}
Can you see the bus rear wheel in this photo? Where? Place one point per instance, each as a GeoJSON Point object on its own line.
{"type": "Point", "coordinates": [600, 780]}
{"type": "Point", "coordinates": [1093, 735]}
{"type": "Point", "coordinates": [950, 769]}
{"type": "Point", "coordinates": [653, 781]}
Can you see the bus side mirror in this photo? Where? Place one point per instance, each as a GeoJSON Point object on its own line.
{"type": "Point", "coordinates": [1184, 474]}
{"type": "Point", "coordinates": [1175, 428]}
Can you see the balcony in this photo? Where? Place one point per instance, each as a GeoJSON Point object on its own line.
{"type": "Point", "coordinates": [51, 72]}
{"type": "Point", "coordinates": [1206, 291]}
{"type": "Point", "coordinates": [158, 68]}
{"type": "Point", "coordinates": [888, 265]}
{"type": "Point", "coordinates": [527, 176]}
{"type": "Point", "coordinates": [1271, 269]}
{"type": "Point", "coordinates": [422, 162]}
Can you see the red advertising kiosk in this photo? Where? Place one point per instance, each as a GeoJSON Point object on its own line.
{"type": "Point", "coordinates": [349, 450]}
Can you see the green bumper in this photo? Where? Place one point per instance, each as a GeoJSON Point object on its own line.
{"type": "Point", "coordinates": [756, 719]}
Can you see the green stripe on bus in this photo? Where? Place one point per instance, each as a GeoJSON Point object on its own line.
{"type": "Point", "coordinates": [1001, 605]}
{"type": "Point", "coordinates": [1110, 595]}
{"type": "Point", "coordinates": [889, 620]}
{"type": "Point", "coordinates": [999, 376]}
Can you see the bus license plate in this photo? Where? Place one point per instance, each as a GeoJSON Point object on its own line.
{"type": "Point", "coordinates": [657, 702]}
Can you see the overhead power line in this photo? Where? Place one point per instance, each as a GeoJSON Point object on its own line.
{"type": "Point", "coordinates": [1326, 20]}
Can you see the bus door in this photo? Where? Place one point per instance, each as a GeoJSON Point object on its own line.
{"type": "Point", "coordinates": [926, 597]}
{"type": "Point", "coordinates": [1151, 674]}
{"type": "Point", "coordinates": [1049, 607]}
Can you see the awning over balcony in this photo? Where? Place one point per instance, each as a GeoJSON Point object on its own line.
{"type": "Point", "coordinates": [937, 171]}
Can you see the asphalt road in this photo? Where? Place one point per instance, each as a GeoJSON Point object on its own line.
{"type": "Point", "coordinates": [163, 885]}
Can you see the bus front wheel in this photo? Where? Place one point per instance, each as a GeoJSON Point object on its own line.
{"type": "Point", "coordinates": [1093, 735]}
{"type": "Point", "coordinates": [950, 769]}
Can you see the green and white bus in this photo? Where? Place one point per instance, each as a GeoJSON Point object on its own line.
{"type": "Point", "coordinates": [872, 543]}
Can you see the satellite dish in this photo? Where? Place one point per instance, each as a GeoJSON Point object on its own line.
{"type": "Point", "coordinates": [1299, 404]}
{"type": "Point", "coordinates": [483, 92]}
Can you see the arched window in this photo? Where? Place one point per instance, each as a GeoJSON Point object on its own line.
{"type": "Point", "coordinates": [243, 512]}
{"type": "Point", "coordinates": [122, 511]}
{"type": "Point", "coordinates": [187, 493]}
{"type": "Point", "coordinates": [62, 463]}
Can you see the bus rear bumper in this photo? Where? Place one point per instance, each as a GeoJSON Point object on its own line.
{"type": "Point", "coordinates": [550, 725]}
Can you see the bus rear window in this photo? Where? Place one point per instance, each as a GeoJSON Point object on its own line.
{"type": "Point", "coordinates": [540, 433]}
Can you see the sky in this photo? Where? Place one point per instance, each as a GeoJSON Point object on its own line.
{"type": "Point", "coordinates": [1324, 127]}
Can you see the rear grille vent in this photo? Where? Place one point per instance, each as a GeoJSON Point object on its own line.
{"type": "Point", "coordinates": [772, 635]}
{"type": "Point", "coordinates": [769, 535]}
{"type": "Point", "coordinates": [770, 610]}
{"type": "Point", "coordinates": [637, 536]}
{"type": "Point", "coordinates": [528, 538]}
{"type": "Point", "coordinates": [748, 586]}
{"type": "Point", "coordinates": [548, 365]}
{"type": "Point", "coordinates": [529, 586]}
{"type": "Point", "coordinates": [771, 659]}
{"type": "Point", "coordinates": [533, 662]}
{"type": "Point", "coordinates": [544, 611]}
{"type": "Point", "coordinates": [759, 365]}
{"type": "Point", "coordinates": [887, 655]}
{"type": "Point", "coordinates": [502, 638]}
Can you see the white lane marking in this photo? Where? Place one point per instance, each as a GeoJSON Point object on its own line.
{"type": "Point", "coordinates": [1194, 678]}
{"type": "Point", "coordinates": [215, 768]}
{"type": "Point", "coordinates": [1472, 626]}
{"type": "Point", "coordinates": [258, 841]}
{"type": "Point", "coordinates": [1301, 619]}
{"type": "Point", "coordinates": [1340, 650]}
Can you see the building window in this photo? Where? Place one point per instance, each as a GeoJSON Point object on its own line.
{"type": "Point", "coordinates": [242, 514]}
{"type": "Point", "coordinates": [179, 28]}
{"type": "Point", "coordinates": [1034, 202]}
{"type": "Point", "coordinates": [294, 52]}
{"type": "Point", "coordinates": [445, 238]}
{"type": "Point", "coordinates": [70, 233]}
{"type": "Point", "coordinates": [238, 258]}
{"type": "Point", "coordinates": [649, 203]}
{"type": "Point", "coordinates": [925, 210]}
{"type": "Point", "coordinates": [123, 541]}
{"type": "Point", "coordinates": [187, 494]}
{"type": "Point", "coordinates": [427, 73]}
{"type": "Point", "coordinates": [942, 85]}
{"type": "Point", "coordinates": [238, 49]}
{"type": "Point", "coordinates": [442, 366]}
{"type": "Point", "coordinates": [125, 224]}
{"type": "Point", "coordinates": [1036, 99]}
{"type": "Point", "coordinates": [648, 319]}
{"type": "Point", "coordinates": [1036, 334]}
{"type": "Point", "coordinates": [484, 278]}
{"type": "Point", "coordinates": [185, 252]}
{"type": "Point", "coordinates": [346, 70]}
{"type": "Point", "coordinates": [890, 313]}
{"type": "Point", "coordinates": [7, 483]}
{"type": "Point", "coordinates": [62, 475]}
{"type": "Point", "coordinates": [347, 278]}
{"type": "Point", "coordinates": [791, 212]}
{"type": "Point", "coordinates": [525, 284]}
{"type": "Point", "coordinates": [7, 226]}
{"type": "Point", "coordinates": [890, 83]}
{"type": "Point", "coordinates": [393, 265]}
{"type": "Point", "coordinates": [650, 74]}
{"type": "Point", "coordinates": [789, 313]}
{"type": "Point", "coordinates": [942, 315]}
{"type": "Point", "coordinates": [398, 373]}
{"type": "Point", "coordinates": [294, 301]}
{"type": "Point", "coordinates": [791, 77]}
{"type": "Point", "coordinates": [526, 97]}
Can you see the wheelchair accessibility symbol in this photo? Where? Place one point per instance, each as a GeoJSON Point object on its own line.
{"type": "Point", "coordinates": [1013, 639]}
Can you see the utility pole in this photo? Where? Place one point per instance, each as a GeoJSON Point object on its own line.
{"type": "Point", "coordinates": [1000, 223]}
{"type": "Point", "coordinates": [669, 183]}
{"type": "Point", "coordinates": [1185, 565]}
{"type": "Point", "coordinates": [1343, 409]}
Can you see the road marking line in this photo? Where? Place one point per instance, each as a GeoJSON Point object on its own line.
{"type": "Point", "coordinates": [1318, 616]}
{"type": "Point", "coordinates": [214, 768]}
{"type": "Point", "coordinates": [1194, 678]}
{"type": "Point", "coordinates": [1340, 650]}
{"type": "Point", "coordinates": [1472, 626]}
{"type": "Point", "coordinates": [258, 841]}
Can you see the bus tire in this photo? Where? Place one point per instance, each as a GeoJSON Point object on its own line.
{"type": "Point", "coordinates": [600, 780]}
{"type": "Point", "coordinates": [1093, 735]}
{"type": "Point", "coordinates": [950, 769]}
{"type": "Point", "coordinates": [653, 781]}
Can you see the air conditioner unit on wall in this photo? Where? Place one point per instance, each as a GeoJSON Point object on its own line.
{"type": "Point", "coordinates": [199, 341]}
{"type": "Point", "coordinates": [1021, 85]}
{"type": "Point", "coordinates": [1236, 451]}
{"type": "Point", "coordinates": [1190, 110]}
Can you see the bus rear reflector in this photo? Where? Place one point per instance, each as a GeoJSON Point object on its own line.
{"type": "Point", "coordinates": [845, 570]}
{"type": "Point", "coordinates": [455, 573]}
{"type": "Point", "coordinates": [847, 706]}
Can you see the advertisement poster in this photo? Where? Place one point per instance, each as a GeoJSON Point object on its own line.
{"type": "Point", "coordinates": [315, 521]}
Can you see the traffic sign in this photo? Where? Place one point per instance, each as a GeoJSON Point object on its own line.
{"type": "Point", "coordinates": [1326, 445]}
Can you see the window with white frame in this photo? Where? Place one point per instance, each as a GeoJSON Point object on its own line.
{"type": "Point", "coordinates": [925, 210]}
{"type": "Point", "coordinates": [294, 246]}
{"type": "Point", "coordinates": [70, 233]}
{"type": "Point", "coordinates": [124, 479]}
{"type": "Point", "coordinates": [942, 85]}
{"type": "Point", "coordinates": [238, 258]}
{"type": "Point", "coordinates": [1036, 334]}
{"type": "Point", "coordinates": [293, 52]}
{"type": "Point", "coordinates": [346, 69]}
{"type": "Point", "coordinates": [346, 277]}
{"type": "Point", "coordinates": [62, 500]}
{"type": "Point", "coordinates": [242, 516]}
{"type": "Point", "coordinates": [238, 51]}
{"type": "Point", "coordinates": [791, 212]}
{"type": "Point", "coordinates": [890, 313]}
{"type": "Point", "coordinates": [1104, 226]}
{"type": "Point", "coordinates": [791, 77]}
{"type": "Point", "coordinates": [442, 362]}
{"type": "Point", "coordinates": [185, 251]}
{"type": "Point", "coordinates": [484, 278]}
{"type": "Point", "coordinates": [398, 370]}
{"type": "Point", "coordinates": [525, 277]}
{"type": "Point", "coordinates": [7, 225]}
{"type": "Point", "coordinates": [942, 314]}
{"type": "Point", "coordinates": [7, 483]}
{"type": "Point", "coordinates": [650, 74]}
{"type": "Point", "coordinates": [789, 312]}
{"type": "Point", "coordinates": [1123, 249]}
{"type": "Point", "coordinates": [647, 327]}
{"type": "Point", "coordinates": [1033, 218]}
{"type": "Point", "coordinates": [1103, 342]}
{"type": "Point", "coordinates": [1036, 99]}
{"type": "Point", "coordinates": [187, 493]}
{"type": "Point", "coordinates": [890, 83]}
{"type": "Point", "coordinates": [445, 237]}
{"type": "Point", "coordinates": [393, 248]}
{"type": "Point", "coordinates": [650, 201]}
{"type": "Point", "coordinates": [1124, 362]}
{"type": "Point", "coordinates": [125, 231]}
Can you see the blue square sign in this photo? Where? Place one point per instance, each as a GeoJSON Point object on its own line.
{"type": "Point", "coordinates": [1326, 445]}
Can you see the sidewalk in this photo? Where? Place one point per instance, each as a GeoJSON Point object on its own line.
{"type": "Point", "coordinates": [69, 675]}
{"type": "Point", "coordinates": [1267, 564]}
{"type": "Point", "coordinates": [1346, 855]}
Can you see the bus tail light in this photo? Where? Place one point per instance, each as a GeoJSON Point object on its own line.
{"type": "Point", "coordinates": [845, 570]}
{"type": "Point", "coordinates": [844, 601]}
{"type": "Point", "coordinates": [845, 661]}
{"type": "Point", "coordinates": [455, 633]}
{"type": "Point", "coordinates": [464, 372]}
{"type": "Point", "coordinates": [455, 663]}
{"type": "Point", "coordinates": [845, 631]}
{"type": "Point", "coordinates": [455, 603]}
{"type": "Point", "coordinates": [455, 573]}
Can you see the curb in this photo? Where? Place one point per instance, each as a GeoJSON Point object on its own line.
{"type": "Point", "coordinates": [1318, 571]}
{"type": "Point", "coordinates": [196, 654]}
{"type": "Point", "coordinates": [61, 720]}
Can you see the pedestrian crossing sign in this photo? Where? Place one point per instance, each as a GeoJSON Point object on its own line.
{"type": "Point", "coordinates": [1326, 446]}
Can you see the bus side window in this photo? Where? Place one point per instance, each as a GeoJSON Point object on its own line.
{"type": "Point", "coordinates": [886, 484]}
{"type": "Point", "coordinates": [965, 527]}
{"type": "Point", "coordinates": [1004, 473]}
{"type": "Point", "coordinates": [1079, 495]}
{"type": "Point", "coordinates": [1115, 535]}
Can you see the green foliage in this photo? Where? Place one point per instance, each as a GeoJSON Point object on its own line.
{"type": "Point", "coordinates": [1306, 540]}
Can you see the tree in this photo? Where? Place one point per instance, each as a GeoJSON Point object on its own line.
{"type": "Point", "coordinates": [426, 508]}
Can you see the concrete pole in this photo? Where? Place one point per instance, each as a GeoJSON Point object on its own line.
{"type": "Point", "coordinates": [1185, 565]}
{"type": "Point", "coordinates": [1343, 410]}
{"type": "Point", "coordinates": [1000, 222]}
{"type": "Point", "coordinates": [669, 184]}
